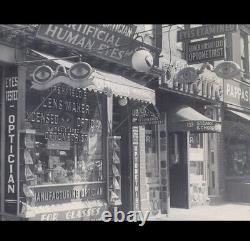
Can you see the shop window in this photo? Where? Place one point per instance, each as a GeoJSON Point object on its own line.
{"type": "Point", "coordinates": [213, 179]}
{"type": "Point", "coordinates": [212, 157]}
{"type": "Point", "coordinates": [196, 140]}
{"type": "Point", "coordinates": [196, 168]}
{"type": "Point", "coordinates": [238, 160]}
{"type": "Point", "coordinates": [63, 140]}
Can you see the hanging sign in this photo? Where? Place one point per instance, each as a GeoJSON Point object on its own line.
{"type": "Point", "coordinates": [78, 76]}
{"type": "Point", "coordinates": [146, 116]}
{"type": "Point", "coordinates": [11, 97]}
{"type": "Point", "coordinates": [205, 51]}
{"type": "Point", "coordinates": [205, 31]}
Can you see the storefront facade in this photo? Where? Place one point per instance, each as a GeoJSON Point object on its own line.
{"type": "Point", "coordinates": [236, 140]}
{"type": "Point", "coordinates": [189, 125]}
{"type": "Point", "coordinates": [72, 148]}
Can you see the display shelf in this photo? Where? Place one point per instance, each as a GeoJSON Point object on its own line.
{"type": "Point", "coordinates": [114, 188]}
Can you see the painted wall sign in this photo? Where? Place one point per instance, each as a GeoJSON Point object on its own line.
{"type": "Point", "coordinates": [84, 214]}
{"type": "Point", "coordinates": [136, 167]}
{"type": "Point", "coordinates": [64, 116]}
{"type": "Point", "coordinates": [11, 97]}
{"type": "Point", "coordinates": [236, 93]}
{"type": "Point", "coordinates": [205, 51]}
{"type": "Point", "coordinates": [205, 31]}
{"type": "Point", "coordinates": [46, 195]}
{"type": "Point", "coordinates": [105, 41]}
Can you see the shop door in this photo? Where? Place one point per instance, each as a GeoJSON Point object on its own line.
{"type": "Point", "coordinates": [178, 170]}
{"type": "Point", "coordinates": [121, 127]}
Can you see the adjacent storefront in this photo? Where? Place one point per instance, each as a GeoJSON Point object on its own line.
{"type": "Point", "coordinates": [236, 140]}
{"type": "Point", "coordinates": [187, 130]}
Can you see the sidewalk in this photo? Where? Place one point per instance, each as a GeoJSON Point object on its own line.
{"type": "Point", "coordinates": [223, 211]}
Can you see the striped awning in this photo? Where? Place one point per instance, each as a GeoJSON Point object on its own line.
{"type": "Point", "coordinates": [103, 81]}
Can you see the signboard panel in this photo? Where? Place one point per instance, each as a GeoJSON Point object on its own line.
{"type": "Point", "coordinates": [11, 97]}
{"type": "Point", "coordinates": [136, 167]}
{"type": "Point", "coordinates": [205, 31]}
{"type": "Point", "coordinates": [102, 40]}
{"type": "Point", "coordinates": [205, 51]}
{"type": "Point", "coordinates": [55, 194]}
{"type": "Point", "coordinates": [236, 93]}
{"type": "Point", "coordinates": [196, 126]}
{"type": "Point", "coordinates": [83, 214]}
{"type": "Point", "coordinates": [146, 116]}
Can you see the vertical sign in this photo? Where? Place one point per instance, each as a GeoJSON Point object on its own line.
{"type": "Point", "coordinates": [136, 167]}
{"type": "Point", "coordinates": [11, 95]}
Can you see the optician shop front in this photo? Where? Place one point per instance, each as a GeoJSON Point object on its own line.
{"type": "Point", "coordinates": [62, 161]}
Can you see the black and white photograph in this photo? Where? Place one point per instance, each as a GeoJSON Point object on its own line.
{"type": "Point", "coordinates": [133, 123]}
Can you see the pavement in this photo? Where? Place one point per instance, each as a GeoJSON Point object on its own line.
{"type": "Point", "coordinates": [218, 212]}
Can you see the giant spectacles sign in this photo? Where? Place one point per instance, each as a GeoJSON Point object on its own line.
{"type": "Point", "coordinates": [112, 42]}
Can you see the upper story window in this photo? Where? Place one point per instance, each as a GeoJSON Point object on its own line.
{"type": "Point", "coordinates": [244, 53]}
{"type": "Point", "coordinates": [146, 31]}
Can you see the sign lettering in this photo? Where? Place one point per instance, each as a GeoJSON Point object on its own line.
{"type": "Point", "coordinates": [46, 195]}
{"type": "Point", "coordinates": [11, 96]}
{"type": "Point", "coordinates": [93, 213]}
{"type": "Point", "coordinates": [205, 31]}
{"type": "Point", "coordinates": [136, 167]}
{"type": "Point", "coordinates": [236, 93]}
{"type": "Point", "coordinates": [112, 42]}
{"type": "Point", "coordinates": [205, 51]}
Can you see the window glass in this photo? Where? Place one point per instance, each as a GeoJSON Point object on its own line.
{"type": "Point", "coordinates": [243, 52]}
{"type": "Point", "coordinates": [65, 141]}
{"type": "Point", "coordinates": [196, 140]}
{"type": "Point", "coordinates": [238, 163]}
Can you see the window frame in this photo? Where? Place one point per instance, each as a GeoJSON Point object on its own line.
{"type": "Point", "coordinates": [244, 60]}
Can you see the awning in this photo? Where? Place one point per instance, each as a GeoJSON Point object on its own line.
{"type": "Point", "coordinates": [119, 85]}
{"type": "Point", "coordinates": [184, 118]}
{"type": "Point", "coordinates": [240, 114]}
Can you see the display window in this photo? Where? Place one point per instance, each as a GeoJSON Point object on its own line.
{"type": "Point", "coordinates": [67, 146]}
{"type": "Point", "coordinates": [196, 155]}
{"type": "Point", "coordinates": [61, 148]}
{"type": "Point", "coordinates": [197, 174]}
{"type": "Point", "coordinates": [238, 163]}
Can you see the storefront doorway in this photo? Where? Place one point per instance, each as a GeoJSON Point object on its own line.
{"type": "Point", "coordinates": [178, 170]}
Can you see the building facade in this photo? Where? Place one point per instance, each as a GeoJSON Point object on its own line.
{"type": "Point", "coordinates": [215, 165]}
{"type": "Point", "coordinates": [71, 149]}
{"type": "Point", "coordinates": [83, 132]}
